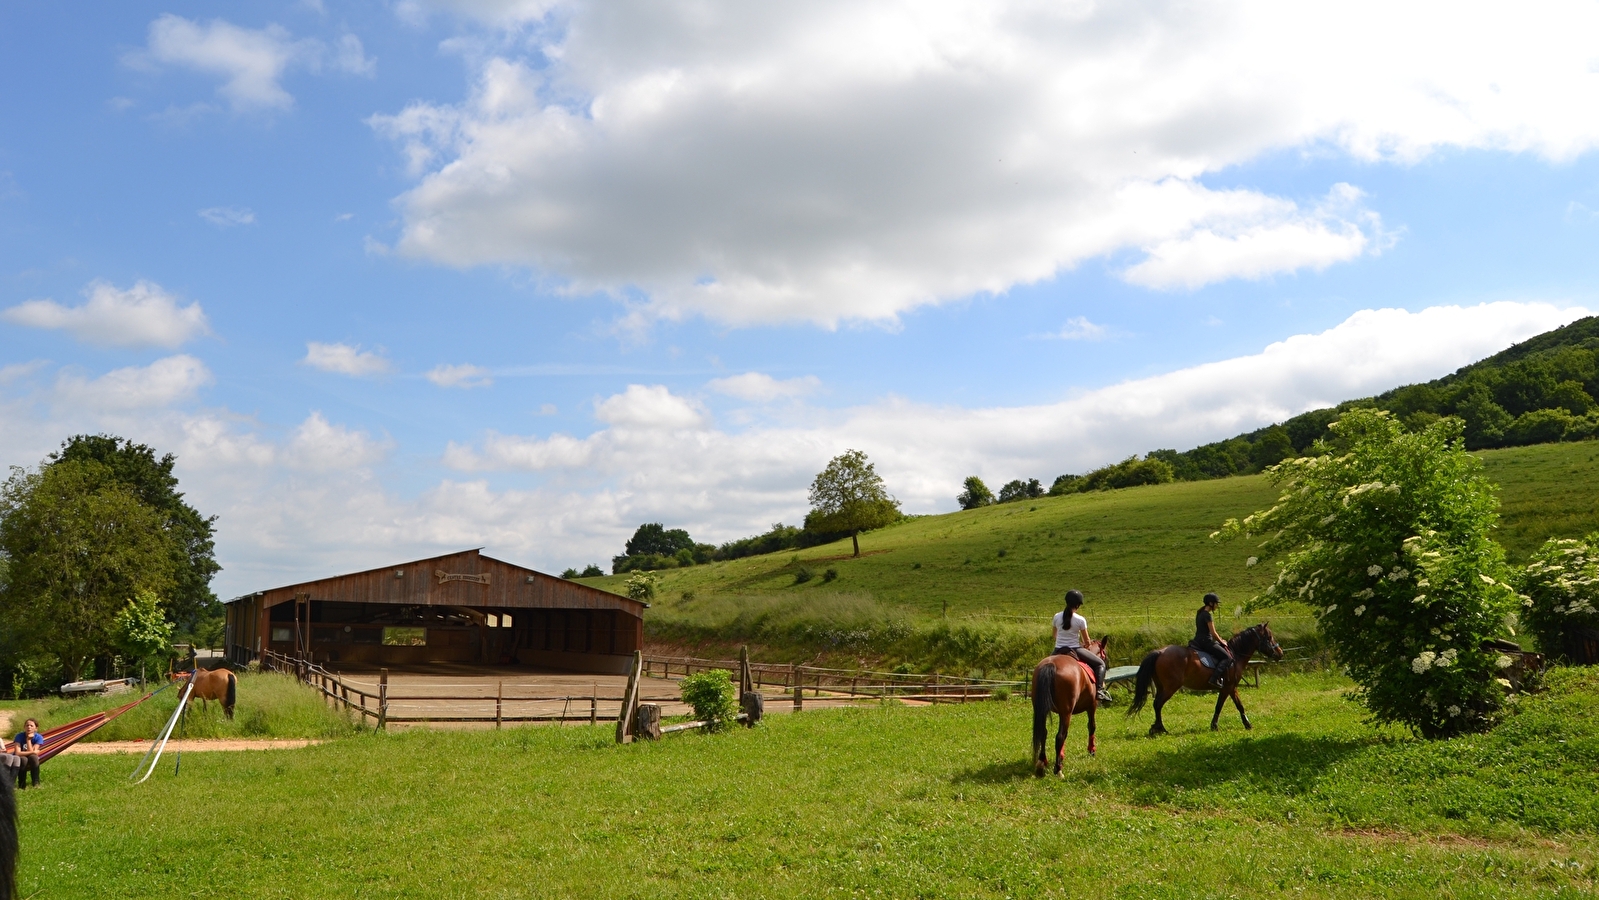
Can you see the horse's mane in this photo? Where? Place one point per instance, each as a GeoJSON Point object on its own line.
{"type": "Point", "coordinates": [1237, 640]}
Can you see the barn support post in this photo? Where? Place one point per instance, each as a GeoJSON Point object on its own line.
{"type": "Point", "coordinates": [594, 706]}
{"type": "Point", "coordinates": [383, 699]}
{"type": "Point", "coordinates": [499, 697]}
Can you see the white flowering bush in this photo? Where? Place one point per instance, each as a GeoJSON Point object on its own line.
{"type": "Point", "coordinates": [1385, 535]}
{"type": "Point", "coordinates": [1560, 591]}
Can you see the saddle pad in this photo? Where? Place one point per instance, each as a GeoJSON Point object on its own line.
{"type": "Point", "coordinates": [1204, 658]}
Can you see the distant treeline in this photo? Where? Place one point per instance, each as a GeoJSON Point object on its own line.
{"type": "Point", "coordinates": [654, 546]}
{"type": "Point", "coordinates": [1537, 392]}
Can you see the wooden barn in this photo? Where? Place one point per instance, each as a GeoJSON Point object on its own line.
{"type": "Point", "coordinates": [460, 608]}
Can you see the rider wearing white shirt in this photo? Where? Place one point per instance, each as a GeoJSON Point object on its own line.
{"type": "Point", "coordinates": [1071, 639]}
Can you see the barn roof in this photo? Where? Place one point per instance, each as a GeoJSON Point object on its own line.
{"type": "Point", "coordinates": [466, 578]}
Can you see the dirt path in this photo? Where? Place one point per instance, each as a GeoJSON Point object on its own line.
{"type": "Point", "coordinates": [195, 746]}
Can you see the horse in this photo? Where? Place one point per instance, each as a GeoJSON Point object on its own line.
{"type": "Point", "coordinates": [215, 684]}
{"type": "Point", "coordinates": [1062, 685]}
{"type": "Point", "coordinates": [1173, 668]}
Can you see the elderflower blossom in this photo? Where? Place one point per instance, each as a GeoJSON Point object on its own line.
{"type": "Point", "coordinates": [1446, 659]}
{"type": "Point", "coordinates": [1360, 610]}
{"type": "Point", "coordinates": [1486, 579]}
{"type": "Point", "coordinates": [1504, 662]}
{"type": "Point", "coordinates": [1332, 607]}
{"type": "Point", "coordinates": [1251, 561]}
{"type": "Point", "coordinates": [1423, 662]}
{"type": "Point", "coordinates": [1454, 710]}
{"type": "Point", "coordinates": [1374, 571]}
{"type": "Point", "coordinates": [1366, 594]}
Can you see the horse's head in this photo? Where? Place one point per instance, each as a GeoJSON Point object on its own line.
{"type": "Point", "coordinates": [1098, 647]}
{"type": "Point", "coordinates": [1268, 641]}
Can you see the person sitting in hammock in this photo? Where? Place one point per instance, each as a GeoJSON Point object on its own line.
{"type": "Point", "coordinates": [1206, 640]}
{"type": "Point", "coordinates": [1071, 639]}
{"type": "Point", "coordinates": [29, 744]}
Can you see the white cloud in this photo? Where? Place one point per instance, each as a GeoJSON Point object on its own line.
{"type": "Point", "coordinates": [650, 408]}
{"type": "Point", "coordinates": [144, 315]}
{"type": "Point", "coordinates": [320, 446]}
{"type": "Point", "coordinates": [462, 376]}
{"type": "Point", "coordinates": [227, 216]}
{"type": "Point", "coordinates": [851, 160]}
{"type": "Point", "coordinates": [250, 61]}
{"type": "Point", "coordinates": [758, 387]}
{"type": "Point", "coordinates": [161, 383]}
{"type": "Point", "coordinates": [1078, 328]}
{"type": "Point", "coordinates": [345, 359]}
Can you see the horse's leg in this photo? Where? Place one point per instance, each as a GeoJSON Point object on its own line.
{"type": "Point", "coordinates": [1240, 704]}
{"type": "Point", "coordinates": [1161, 696]}
{"type": "Point", "coordinates": [1060, 737]}
{"type": "Point", "coordinates": [1092, 706]}
{"type": "Point", "coordinates": [1221, 700]}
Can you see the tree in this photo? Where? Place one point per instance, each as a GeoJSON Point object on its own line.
{"type": "Point", "coordinates": [1387, 535]}
{"type": "Point", "coordinates": [976, 493]}
{"type": "Point", "coordinates": [137, 468]}
{"type": "Point", "coordinates": [848, 496]}
{"type": "Point", "coordinates": [655, 539]}
{"type": "Point", "coordinates": [78, 546]}
{"type": "Point", "coordinates": [141, 631]}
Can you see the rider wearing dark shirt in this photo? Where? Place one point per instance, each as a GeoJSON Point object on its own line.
{"type": "Point", "coordinates": [1208, 641]}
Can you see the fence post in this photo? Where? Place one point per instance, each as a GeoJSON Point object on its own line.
{"type": "Point", "coordinates": [383, 699]}
{"type": "Point", "coordinates": [594, 706]}
{"type": "Point", "coordinates": [624, 718]}
{"type": "Point", "coordinates": [499, 697]}
{"type": "Point", "coordinates": [799, 697]}
{"type": "Point", "coordinates": [746, 682]}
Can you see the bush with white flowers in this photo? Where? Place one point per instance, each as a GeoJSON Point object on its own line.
{"type": "Point", "coordinates": [1560, 591]}
{"type": "Point", "coordinates": [1385, 535]}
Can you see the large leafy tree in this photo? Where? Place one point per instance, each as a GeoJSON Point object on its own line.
{"type": "Point", "coordinates": [848, 496]}
{"type": "Point", "coordinates": [1386, 534]}
{"type": "Point", "coordinates": [656, 539]}
{"type": "Point", "coordinates": [150, 478]}
{"type": "Point", "coordinates": [78, 546]}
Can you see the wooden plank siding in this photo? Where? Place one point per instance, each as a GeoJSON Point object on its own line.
{"type": "Point", "coordinates": [554, 622]}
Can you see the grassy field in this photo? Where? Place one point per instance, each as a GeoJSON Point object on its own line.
{"type": "Point", "coordinates": [269, 706]}
{"type": "Point", "coordinates": [1142, 555]}
{"type": "Point", "coordinates": [883, 801]}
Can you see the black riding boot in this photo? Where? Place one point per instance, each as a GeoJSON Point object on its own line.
{"type": "Point", "coordinates": [1219, 676]}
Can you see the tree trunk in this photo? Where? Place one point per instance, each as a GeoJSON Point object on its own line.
{"type": "Point", "coordinates": [856, 537]}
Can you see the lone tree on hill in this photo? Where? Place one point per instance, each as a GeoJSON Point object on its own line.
{"type": "Point", "coordinates": [849, 496]}
{"type": "Point", "coordinates": [976, 493]}
{"type": "Point", "coordinates": [656, 539]}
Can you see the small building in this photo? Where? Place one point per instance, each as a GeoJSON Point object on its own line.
{"type": "Point", "coordinates": [459, 608]}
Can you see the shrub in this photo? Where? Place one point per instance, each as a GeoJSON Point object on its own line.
{"type": "Point", "coordinates": [1560, 591]}
{"type": "Point", "coordinates": [1001, 693]}
{"type": "Point", "coordinates": [830, 575]}
{"type": "Point", "coordinates": [802, 575]}
{"type": "Point", "coordinates": [711, 695]}
{"type": "Point", "coordinates": [641, 586]}
{"type": "Point", "coordinates": [569, 574]}
{"type": "Point", "coordinates": [1387, 534]}
{"type": "Point", "coordinates": [592, 571]}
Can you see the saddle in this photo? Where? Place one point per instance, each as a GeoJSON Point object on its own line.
{"type": "Point", "coordinates": [1206, 659]}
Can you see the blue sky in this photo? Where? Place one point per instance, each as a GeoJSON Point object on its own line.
{"type": "Point", "coordinates": [397, 278]}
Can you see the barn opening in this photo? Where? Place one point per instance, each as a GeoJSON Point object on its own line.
{"type": "Point", "coordinates": [463, 608]}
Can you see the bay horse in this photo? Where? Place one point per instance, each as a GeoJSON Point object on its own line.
{"type": "Point", "coordinates": [215, 684]}
{"type": "Point", "coordinates": [1062, 685]}
{"type": "Point", "coordinates": [1172, 668]}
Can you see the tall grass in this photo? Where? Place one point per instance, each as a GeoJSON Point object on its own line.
{"type": "Point", "coordinates": [269, 706]}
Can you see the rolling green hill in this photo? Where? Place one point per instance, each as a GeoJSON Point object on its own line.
{"type": "Point", "coordinates": [1142, 555]}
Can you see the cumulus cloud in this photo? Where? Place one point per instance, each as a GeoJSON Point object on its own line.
{"type": "Point", "coordinates": [462, 376]}
{"type": "Point", "coordinates": [161, 383]}
{"type": "Point", "coordinates": [227, 216]}
{"type": "Point", "coordinates": [144, 315]}
{"type": "Point", "coordinates": [650, 408]}
{"type": "Point", "coordinates": [345, 359]}
{"type": "Point", "coordinates": [1078, 328]}
{"type": "Point", "coordinates": [758, 387]}
{"type": "Point", "coordinates": [251, 62]}
{"type": "Point", "coordinates": [321, 446]}
{"type": "Point", "coordinates": [852, 160]}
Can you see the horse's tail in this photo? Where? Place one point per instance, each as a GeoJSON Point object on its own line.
{"type": "Point", "coordinates": [8, 839]}
{"type": "Point", "coordinates": [1146, 675]}
{"type": "Point", "coordinates": [233, 694]}
{"type": "Point", "coordinates": [1043, 705]}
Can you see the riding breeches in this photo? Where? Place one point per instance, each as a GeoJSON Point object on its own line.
{"type": "Point", "coordinates": [1224, 656]}
{"type": "Point", "coordinates": [1090, 657]}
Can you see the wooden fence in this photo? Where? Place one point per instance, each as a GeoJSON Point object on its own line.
{"type": "Point", "coordinates": [822, 682]}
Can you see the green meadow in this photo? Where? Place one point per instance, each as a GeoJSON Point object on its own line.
{"type": "Point", "coordinates": [882, 801]}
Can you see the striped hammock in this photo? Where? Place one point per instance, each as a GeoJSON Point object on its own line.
{"type": "Point", "coordinates": [61, 737]}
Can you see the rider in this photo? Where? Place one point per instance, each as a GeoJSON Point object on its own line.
{"type": "Point", "coordinates": [1207, 640]}
{"type": "Point", "coordinates": [1071, 639]}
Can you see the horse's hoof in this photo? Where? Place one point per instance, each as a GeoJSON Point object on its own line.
{"type": "Point", "coordinates": [1215, 728]}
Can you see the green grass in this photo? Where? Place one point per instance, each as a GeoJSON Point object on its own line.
{"type": "Point", "coordinates": [884, 801]}
{"type": "Point", "coordinates": [269, 706]}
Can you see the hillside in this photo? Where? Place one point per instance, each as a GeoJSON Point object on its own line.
{"type": "Point", "coordinates": [1139, 554]}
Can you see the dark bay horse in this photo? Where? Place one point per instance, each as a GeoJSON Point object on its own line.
{"type": "Point", "coordinates": [1064, 686]}
{"type": "Point", "coordinates": [215, 684]}
{"type": "Point", "coordinates": [1173, 668]}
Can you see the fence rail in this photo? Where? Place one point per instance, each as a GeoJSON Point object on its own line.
{"type": "Point", "coordinates": [822, 682]}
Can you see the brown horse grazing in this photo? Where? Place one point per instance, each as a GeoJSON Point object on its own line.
{"type": "Point", "coordinates": [1173, 668]}
{"type": "Point", "coordinates": [1064, 686]}
{"type": "Point", "coordinates": [215, 684]}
